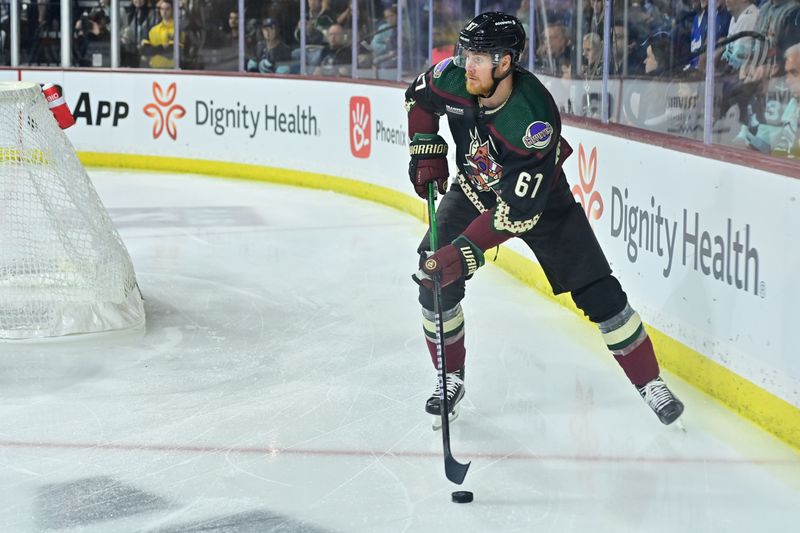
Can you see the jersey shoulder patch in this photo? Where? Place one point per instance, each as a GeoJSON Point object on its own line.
{"type": "Point", "coordinates": [449, 79]}
{"type": "Point", "coordinates": [529, 121]}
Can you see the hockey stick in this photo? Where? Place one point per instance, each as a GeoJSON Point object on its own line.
{"type": "Point", "coordinates": [455, 471]}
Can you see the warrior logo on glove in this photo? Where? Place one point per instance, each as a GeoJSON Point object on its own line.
{"type": "Point", "coordinates": [420, 150]}
{"type": "Point", "coordinates": [452, 262]}
{"type": "Point", "coordinates": [428, 163]}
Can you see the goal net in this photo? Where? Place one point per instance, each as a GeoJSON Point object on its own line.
{"type": "Point", "coordinates": [63, 267]}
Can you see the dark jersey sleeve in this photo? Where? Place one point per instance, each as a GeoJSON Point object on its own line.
{"type": "Point", "coordinates": [423, 105]}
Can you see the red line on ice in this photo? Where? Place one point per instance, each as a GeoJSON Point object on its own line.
{"type": "Point", "coordinates": [514, 456]}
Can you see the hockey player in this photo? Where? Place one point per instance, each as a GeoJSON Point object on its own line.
{"type": "Point", "coordinates": [510, 183]}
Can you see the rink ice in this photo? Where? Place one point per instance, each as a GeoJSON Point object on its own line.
{"type": "Point", "coordinates": [280, 383]}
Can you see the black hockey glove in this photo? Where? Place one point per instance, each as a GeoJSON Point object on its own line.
{"type": "Point", "coordinates": [428, 163]}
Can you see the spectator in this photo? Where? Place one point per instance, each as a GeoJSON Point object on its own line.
{"type": "Point", "coordinates": [680, 29]}
{"type": "Point", "coordinates": [659, 15]}
{"type": "Point", "coordinates": [778, 22]}
{"type": "Point", "coordinates": [345, 18]}
{"type": "Point", "coordinates": [658, 59]}
{"type": "Point", "coordinates": [319, 18]}
{"type": "Point", "coordinates": [744, 15]}
{"type": "Point", "coordinates": [524, 15]}
{"type": "Point", "coordinates": [137, 23]}
{"type": "Point", "coordinates": [161, 39]}
{"type": "Point", "coordinates": [225, 31]}
{"type": "Point", "coordinates": [700, 31]}
{"type": "Point", "coordinates": [223, 50]}
{"type": "Point", "coordinates": [365, 10]}
{"type": "Point", "coordinates": [593, 17]}
{"type": "Point", "coordinates": [779, 137]}
{"type": "Point", "coordinates": [286, 13]}
{"type": "Point", "coordinates": [41, 33]}
{"type": "Point", "coordinates": [668, 105]}
{"type": "Point", "coordinates": [732, 57]}
{"type": "Point", "coordinates": [272, 53]}
{"type": "Point", "coordinates": [337, 56]}
{"type": "Point", "coordinates": [641, 19]}
{"type": "Point", "coordinates": [232, 29]}
{"type": "Point", "coordinates": [383, 44]}
{"type": "Point", "coordinates": [93, 40]}
{"type": "Point", "coordinates": [101, 6]}
{"type": "Point", "coordinates": [196, 28]}
{"type": "Point", "coordinates": [787, 143]}
{"type": "Point", "coordinates": [620, 50]}
{"type": "Point", "coordinates": [592, 51]}
{"type": "Point", "coordinates": [625, 55]}
{"type": "Point", "coordinates": [555, 52]}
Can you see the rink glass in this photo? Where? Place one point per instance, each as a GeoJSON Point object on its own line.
{"type": "Point", "coordinates": [592, 63]}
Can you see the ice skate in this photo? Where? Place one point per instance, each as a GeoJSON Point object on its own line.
{"type": "Point", "coordinates": [661, 400]}
{"type": "Point", "coordinates": [455, 392]}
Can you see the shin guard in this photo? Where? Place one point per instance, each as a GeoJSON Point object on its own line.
{"type": "Point", "coordinates": [625, 336]}
{"type": "Point", "coordinates": [453, 336]}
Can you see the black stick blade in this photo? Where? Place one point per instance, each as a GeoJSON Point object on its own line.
{"type": "Point", "coordinates": [455, 471]}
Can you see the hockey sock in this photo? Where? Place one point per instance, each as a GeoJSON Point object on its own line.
{"type": "Point", "coordinates": [453, 323]}
{"type": "Point", "coordinates": [625, 336]}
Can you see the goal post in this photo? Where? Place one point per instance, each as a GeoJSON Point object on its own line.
{"type": "Point", "coordinates": [64, 269]}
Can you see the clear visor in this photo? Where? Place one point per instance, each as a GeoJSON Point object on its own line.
{"type": "Point", "coordinates": [463, 56]}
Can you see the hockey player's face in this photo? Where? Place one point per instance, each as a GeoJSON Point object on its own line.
{"type": "Point", "coordinates": [478, 73]}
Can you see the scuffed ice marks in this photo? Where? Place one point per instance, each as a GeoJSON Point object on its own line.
{"type": "Point", "coordinates": [88, 501]}
{"type": "Point", "coordinates": [104, 502]}
{"type": "Point", "coordinates": [250, 522]}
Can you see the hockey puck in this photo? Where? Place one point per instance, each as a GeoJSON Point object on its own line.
{"type": "Point", "coordinates": [462, 496]}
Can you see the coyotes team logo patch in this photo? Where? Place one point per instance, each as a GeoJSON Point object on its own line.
{"type": "Point", "coordinates": [482, 170]}
{"type": "Point", "coordinates": [538, 135]}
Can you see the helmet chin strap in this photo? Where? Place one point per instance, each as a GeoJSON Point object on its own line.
{"type": "Point", "coordinates": [496, 81]}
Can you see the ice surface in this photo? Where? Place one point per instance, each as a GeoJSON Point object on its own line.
{"type": "Point", "coordinates": [280, 383]}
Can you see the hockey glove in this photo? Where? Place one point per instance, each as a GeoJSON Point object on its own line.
{"type": "Point", "coordinates": [452, 262]}
{"type": "Point", "coordinates": [428, 163]}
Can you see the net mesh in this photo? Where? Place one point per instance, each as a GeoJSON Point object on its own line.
{"type": "Point", "coordinates": [63, 266]}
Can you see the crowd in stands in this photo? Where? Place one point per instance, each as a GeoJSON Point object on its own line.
{"type": "Point", "coordinates": [209, 34]}
{"type": "Point", "coordinates": [665, 41]}
{"type": "Point", "coordinates": [658, 40]}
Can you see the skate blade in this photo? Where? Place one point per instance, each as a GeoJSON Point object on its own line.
{"type": "Point", "coordinates": [437, 420]}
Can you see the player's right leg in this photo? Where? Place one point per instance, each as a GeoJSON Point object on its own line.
{"type": "Point", "coordinates": [453, 215]}
{"type": "Point", "coordinates": [453, 324]}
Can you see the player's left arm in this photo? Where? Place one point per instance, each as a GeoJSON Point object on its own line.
{"type": "Point", "coordinates": [517, 211]}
